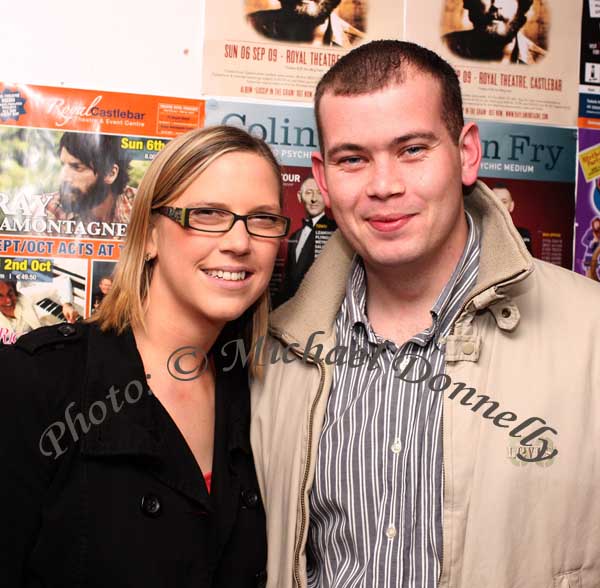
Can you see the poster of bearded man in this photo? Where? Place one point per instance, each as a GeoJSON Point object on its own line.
{"type": "Point", "coordinates": [514, 57]}
{"type": "Point", "coordinates": [279, 49]}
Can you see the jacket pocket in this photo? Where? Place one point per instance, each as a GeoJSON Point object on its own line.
{"type": "Point", "coordinates": [568, 580]}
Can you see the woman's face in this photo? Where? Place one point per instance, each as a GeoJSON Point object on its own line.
{"type": "Point", "coordinates": [184, 281]}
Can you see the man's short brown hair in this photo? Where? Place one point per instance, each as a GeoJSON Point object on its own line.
{"type": "Point", "coordinates": [379, 64]}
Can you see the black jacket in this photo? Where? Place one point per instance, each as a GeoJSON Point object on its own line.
{"type": "Point", "coordinates": [123, 504]}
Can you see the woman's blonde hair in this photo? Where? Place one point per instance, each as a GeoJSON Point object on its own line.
{"type": "Point", "coordinates": [169, 175]}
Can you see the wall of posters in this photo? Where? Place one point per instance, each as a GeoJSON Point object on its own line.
{"type": "Point", "coordinates": [265, 49]}
{"type": "Point", "coordinates": [70, 165]}
{"type": "Point", "coordinates": [292, 134]}
{"type": "Point", "coordinates": [587, 218]}
{"type": "Point", "coordinates": [515, 59]}
{"type": "Point", "coordinates": [532, 169]}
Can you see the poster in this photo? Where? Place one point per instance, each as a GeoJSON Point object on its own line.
{"type": "Point", "coordinates": [587, 214]}
{"type": "Point", "coordinates": [589, 68]}
{"type": "Point", "coordinates": [532, 169]}
{"type": "Point", "coordinates": [70, 165]}
{"type": "Point", "coordinates": [515, 59]}
{"type": "Point", "coordinates": [292, 134]}
{"type": "Point", "coordinates": [264, 49]}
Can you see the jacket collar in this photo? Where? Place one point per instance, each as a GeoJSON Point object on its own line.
{"type": "Point", "coordinates": [113, 363]}
{"type": "Point", "coordinates": [141, 429]}
{"type": "Point", "coordinates": [504, 259]}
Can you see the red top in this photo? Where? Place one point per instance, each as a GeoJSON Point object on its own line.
{"type": "Point", "coordinates": [208, 480]}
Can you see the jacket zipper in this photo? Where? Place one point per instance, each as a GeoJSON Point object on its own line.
{"type": "Point", "coordinates": [439, 583]}
{"type": "Point", "coordinates": [321, 366]}
{"type": "Point", "coordinates": [462, 311]}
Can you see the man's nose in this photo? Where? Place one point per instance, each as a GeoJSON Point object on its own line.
{"type": "Point", "coordinates": [385, 180]}
{"type": "Point", "coordinates": [65, 173]}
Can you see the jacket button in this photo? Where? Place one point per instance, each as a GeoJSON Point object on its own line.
{"type": "Point", "coordinates": [66, 330]}
{"type": "Point", "coordinates": [506, 312]}
{"type": "Point", "coordinates": [151, 505]}
{"type": "Point", "coordinates": [468, 348]}
{"type": "Point", "coordinates": [250, 498]}
{"type": "Point", "coordinates": [261, 579]}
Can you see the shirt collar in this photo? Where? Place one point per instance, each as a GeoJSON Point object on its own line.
{"type": "Point", "coordinates": [469, 256]}
{"type": "Point", "coordinates": [354, 305]}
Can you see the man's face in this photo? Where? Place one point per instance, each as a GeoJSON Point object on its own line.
{"type": "Point", "coordinates": [317, 10]}
{"type": "Point", "coordinates": [105, 285]}
{"type": "Point", "coordinates": [392, 174]}
{"type": "Point", "coordinates": [8, 300]}
{"type": "Point", "coordinates": [81, 189]}
{"type": "Point", "coordinates": [497, 18]}
{"type": "Point", "coordinates": [311, 198]}
{"type": "Point", "coordinates": [505, 197]}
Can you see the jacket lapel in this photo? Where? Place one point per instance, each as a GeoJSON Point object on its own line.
{"type": "Point", "coordinates": [136, 425]}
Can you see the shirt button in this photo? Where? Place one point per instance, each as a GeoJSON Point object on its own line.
{"type": "Point", "coordinates": [396, 446]}
{"type": "Point", "coordinates": [151, 505]}
{"type": "Point", "coordinates": [468, 348]}
{"type": "Point", "coordinates": [390, 532]}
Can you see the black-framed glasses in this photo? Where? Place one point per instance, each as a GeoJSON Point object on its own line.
{"type": "Point", "coordinates": [218, 220]}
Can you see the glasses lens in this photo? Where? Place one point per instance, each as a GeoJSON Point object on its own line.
{"type": "Point", "coordinates": [267, 225]}
{"type": "Point", "coordinates": [210, 219]}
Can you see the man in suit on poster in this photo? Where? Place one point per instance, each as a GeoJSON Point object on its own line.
{"type": "Point", "coordinates": [495, 35]}
{"type": "Point", "coordinates": [303, 21]}
{"type": "Point", "coordinates": [306, 243]}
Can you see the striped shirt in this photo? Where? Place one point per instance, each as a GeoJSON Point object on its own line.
{"type": "Point", "coordinates": [376, 503]}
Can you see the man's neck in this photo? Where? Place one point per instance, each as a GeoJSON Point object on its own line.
{"type": "Point", "coordinates": [315, 219]}
{"type": "Point", "coordinates": [399, 299]}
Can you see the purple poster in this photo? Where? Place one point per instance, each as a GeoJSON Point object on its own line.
{"type": "Point", "coordinates": [587, 215]}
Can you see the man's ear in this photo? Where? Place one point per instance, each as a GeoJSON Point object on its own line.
{"type": "Point", "coordinates": [318, 169]}
{"type": "Point", "coordinates": [112, 175]}
{"type": "Point", "coordinates": [470, 153]}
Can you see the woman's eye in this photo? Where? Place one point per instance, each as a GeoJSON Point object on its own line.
{"type": "Point", "coordinates": [265, 220]}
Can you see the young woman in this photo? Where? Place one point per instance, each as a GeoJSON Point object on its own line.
{"type": "Point", "coordinates": [125, 446]}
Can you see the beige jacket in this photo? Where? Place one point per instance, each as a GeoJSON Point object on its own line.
{"type": "Point", "coordinates": [529, 339]}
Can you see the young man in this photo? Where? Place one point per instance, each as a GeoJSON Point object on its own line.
{"type": "Point", "coordinates": [431, 418]}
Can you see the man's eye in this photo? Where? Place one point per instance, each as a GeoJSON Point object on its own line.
{"type": "Point", "coordinates": [414, 150]}
{"type": "Point", "coordinates": [351, 160]}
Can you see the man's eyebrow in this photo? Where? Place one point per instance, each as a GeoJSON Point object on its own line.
{"type": "Point", "coordinates": [419, 135]}
{"type": "Point", "coordinates": [342, 147]}
{"type": "Point", "coordinates": [422, 135]}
